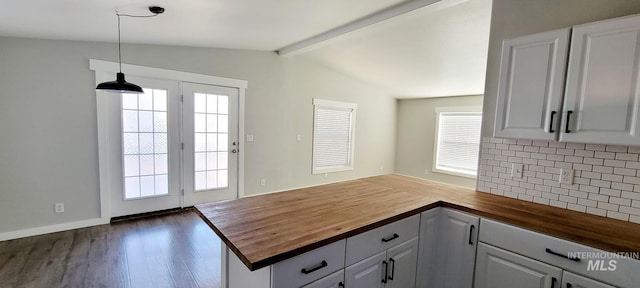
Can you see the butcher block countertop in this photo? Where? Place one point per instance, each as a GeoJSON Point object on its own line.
{"type": "Point", "coordinates": [265, 229]}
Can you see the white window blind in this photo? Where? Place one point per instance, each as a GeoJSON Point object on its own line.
{"type": "Point", "coordinates": [334, 124]}
{"type": "Point", "coordinates": [458, 143]}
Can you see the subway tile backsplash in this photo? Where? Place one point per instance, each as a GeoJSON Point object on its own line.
{"type": "Point", "coordinates": [606, 178]}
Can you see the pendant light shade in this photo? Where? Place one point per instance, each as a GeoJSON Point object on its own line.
{"type": "Point", "coordinates": [120, 86]}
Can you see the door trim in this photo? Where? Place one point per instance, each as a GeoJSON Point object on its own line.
{"type": "Point", "coordinates": [105, 70]}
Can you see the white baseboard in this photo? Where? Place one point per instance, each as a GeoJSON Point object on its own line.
{"type": "Point", "coordinates": [52, 228]}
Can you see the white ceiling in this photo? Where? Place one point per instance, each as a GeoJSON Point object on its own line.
{"type": "Point", "coordinates": [432, 51]}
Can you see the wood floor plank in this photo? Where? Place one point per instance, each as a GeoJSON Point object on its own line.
{"type": "Point", "coordinates": [174, 250]}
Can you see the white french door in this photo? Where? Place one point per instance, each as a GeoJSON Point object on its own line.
{"type": "Point", "coordinates": [211, 146]}
{"type": "Point", "coordinates": [145, 145]}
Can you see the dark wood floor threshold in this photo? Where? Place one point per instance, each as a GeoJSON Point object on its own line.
{"type": "Point", "coordinates": [149, 214]}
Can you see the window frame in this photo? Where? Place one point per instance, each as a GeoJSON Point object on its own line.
{"type": "Point", "coordinates": [333, 105]}
{"type": "Point", "coordinates": [462, 110]}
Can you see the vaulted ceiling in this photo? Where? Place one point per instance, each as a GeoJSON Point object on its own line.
{"type": "Point", "coordinates": [436, 50]}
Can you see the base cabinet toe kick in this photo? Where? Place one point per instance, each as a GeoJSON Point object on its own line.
{"type": "Point", "coordinates": [443, 247]}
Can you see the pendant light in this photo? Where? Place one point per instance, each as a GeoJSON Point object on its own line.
{"type": "Point", "coordinates": [120, 85]}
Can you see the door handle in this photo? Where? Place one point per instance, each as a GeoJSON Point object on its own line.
{"type": "Point", "coordinates": [566, 128]}
{"type": "Point", "coordinates": [315, 268]}
{"type": "Point", "coordinates": [576, 259]}
{"type": "Point", "coordinates": [553, 113]}
{"type": "Point", "coordinates": [385, 240]}
{"type": "Point", "coordinates": [386, 271]}
{"type": "Point", "coordinates": [471, 234]}
{"type": "Point", "coordinates": [553, 282]}
{"type": "Point", "coordinates": [393, 268]}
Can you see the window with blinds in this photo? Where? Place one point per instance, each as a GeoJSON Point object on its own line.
{"type": "Point", "coordinates": [457, 141]}
{"type": "Point", "coordinates": [333, 133]}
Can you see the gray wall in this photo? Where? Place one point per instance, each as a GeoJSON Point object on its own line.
{"type": "Point", "coordinates": [48, 151]}
{"type": "Point", "coordinates": [512, 18]}
{"type": "Point", "coordinates": [416, 134]}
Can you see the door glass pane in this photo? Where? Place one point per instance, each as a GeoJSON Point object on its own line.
{"type": "Point", "coordinates": [210, 117]}
{"type": "Point", "coordinates": [144, 144]}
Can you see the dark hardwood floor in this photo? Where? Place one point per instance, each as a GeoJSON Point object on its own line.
{"type": "Point", "coordinates": [173, 250]}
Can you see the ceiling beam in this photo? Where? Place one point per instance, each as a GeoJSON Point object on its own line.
{"type": "Point", "coordinates": [393, 11]}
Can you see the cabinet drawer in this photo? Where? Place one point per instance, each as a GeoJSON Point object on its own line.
{"type": "Point", "coordinates": [334, 280]}
{"type": "Point", "coordinates": [382, 238]}
{"type": "Point", "coordinates": [588, 261]}
{"type": "Point", "coordinates": [310, 266]}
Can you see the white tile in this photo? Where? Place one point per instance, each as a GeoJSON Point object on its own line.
{"type": "Point", "coordinates": [565, 165]}
{"type": "Point", "coordinates": [547, 163]}
{"type": "Point", "coordinates": [554, 144]}
{"type": "Point", "coordinates": [510, 141]}
{"type": "Point", "coordinates": [551, 170]}
{"type": "Point", "coordinates": [625, 171]}
{"type": "Point", "coordinates": [575, 207]}
{"type": "Point", "coordinates": [543, 188]}
{"type": "Point", "coordinates": [590, 175]}
{"type": "Point", "coordinates": [608, 206]}
{"type": "Point", "coordinates": [501, 158]}
{"type": "Point", "coordinates": [617, 148]}
{"type": "Point", "coordinates": [574, 159]}
{"type": "Point", "coordinates": [523, 154]}
{"type": "Point", "coordinates": [530, 161]}
{"type": "Point", "coordinates": [603, 169]}
{"type": "Point", "coordinates": [508, 153]}
{"type": "Point", "coordinates": [634, 219]}
{"type": "Point", "coordinates": [636, 188]}
{"type": "Point", "coordinates": [531, 149]}
{"type": "Point", "coordinates": [584, 153]}
{"type": "Point", "coordinates": [581, 181]}
{"type": "Point", "coordinates": [596, 211]}
{"type": "Point", "coordinates": [486, 139]}
{"type": "Point", "coordinates": [576, 146]}
{"type": "Point", "coordinates": [596, 147]}
{"type": "Point", "coordinates": [496, 140]}
{"type": "Point", "coordinates": [515, 159]}
{"type": "Point", "coordinates": [547, 150]}
{"type": "Point", "coordinates": [598, 197]}
{"type": "Point", "coordinates": [558, 204]}
{"type": "Point", "coordinates": [516, 147]}
{"type": "Point", "coordinates": [524, 142]}
{"type": "Point", "coordinates": [590, 189]}
{"type": "Point", "coordinates": [614, 163]}
{"type": "Point", "coordinates": [618, 215]}
{"type": "Point", "coordinates": [627, 156]}
{"type": "Point", "coordinates": [582, 167]}
{"type": "Point", "coordinates": [631, 195]}
{"type": "Point", "coordinates": [565, 151]}
{"type": "Point", "coordinates": [633, 164]}
{"type": "Point", "coordinates": [552, 182]}
{"type": "Point", "coordinates": [510, 194]}
{"type": "Point", "coordinates": [620, 201]}
{"type": "Point", "coordinates": [543, 175]}
{"type": "Point", "coordinates": [540, 143]}
{"type": "Point", "coordinates": [527, 185]}
{"type": "Point", "coordinates": [534, 193]}
{"type": "Point", "coordinates": [610, 192]}
{"type": "Point", "coordinates": [630, 210]}
{"type": "Point", "coordinates": [560, 191]}
{"type": "Point", "coordinates": [621, 186]}
{"type": "Point", "coordinates": [538, 156]}
{"type": "Point", "coordinates": [525, 197]}
{"type": "Point", "coordinates": [631, 180]}
{"type": "Point", "coordinates": [600, 183]}
{"type": "Point", "coordinates": [502, 146]}
{"type": "Point", "coordinates": [594, 161]}
{"type": "Point", "coordinates": [555, 157]}
{"type": "Point", "coordinates": [568, 199]}
{"type": "Point", "coordinates": [587, 202]}
{"type": "Point", "coordinates": [605, 155]}
{"type": "Point", "coordinates": [541, 200]}
{"type": "Point", "coordinates": [612, 177]}
{"type": "Point", "coordinates": [635, 203]}
{"type": "Point", "coordinates": [634, 149]}
{"type": "Point", "coordinates": [550, 196]}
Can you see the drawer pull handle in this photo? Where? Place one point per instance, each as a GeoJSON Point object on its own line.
{"type": "Point", "coordinates": [576, 259]}
{"type": "Point", "coordinates": [340, 284]}
{"type": "Point", "coordinates": [471, 234]}
{"type": "Point", "coordinates": [553, 113]}
{"type": "Point", "coordinates": [386, 270]}
{"type": "Point", "coordinates": [385, 240]}
{"type": "Point", "coordinates": [566, 128]}
{"type": "Point", "coordinates": [317, 267]}
{"type": "Point", "coordinates": [393, 268]}
{"type": "Point", "coordinates": [553, 282]}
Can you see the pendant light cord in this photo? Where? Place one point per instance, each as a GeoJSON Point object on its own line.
{"type": "Point", "coordinates": [119, 42]}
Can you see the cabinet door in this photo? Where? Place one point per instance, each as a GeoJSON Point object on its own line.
{"type": "Point", "coordinates": [335, 280]}
{"type": "Point", "coordinates": [497, 268]}
{"type": "Point", "coordinates": [570, 280]}
{"type": "Point", "coordinates": [368, 273]}
{"type": "Point", "coordinates": [402, 261]}
{"type": "Point", "coordinates": [428, 258]}
{"type": "Point", "coordinates": [459, 232]}
{"type": "Point", "coordinates": [602, 91]}
{"type": "Point", "coordinates": [531, 85]}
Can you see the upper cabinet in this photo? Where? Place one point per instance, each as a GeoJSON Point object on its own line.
{"type": "Point", "coordinates": [597, 102]}
{"type": "Point", "coordinates": [531, 85]}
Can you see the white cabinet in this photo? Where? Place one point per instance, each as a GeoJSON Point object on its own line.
{"type": "Point", "coordinates": [570, 280]}
{"type": "Point", "coordinates": [531, 85]}
{"type": "Point", "coordinates": [498, 268]}
{"type": "Point", "coordinates": [600, 102]}
{"type": "Point", "coordinates": [448, 241]}
{"type": "Point", "coordinates": [305, 268]}
{"type": "Point", "coordinates": [394, 268]}
{"type": "Point", "coordinates": [335, 280]}
{"type": "Point", "coordinates": [602, 99]}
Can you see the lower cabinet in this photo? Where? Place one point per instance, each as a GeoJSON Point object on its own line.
{"type": "Point", "coordinates": [335, 280]}
{"type": "Point", "coordinates": [570, 280]}
{"type": "Point", "coordinates": [395, 267]}
{"type": "Point", "coordinates": [448, 241]}
{"type": "Point", "coordinates": [497, 268]}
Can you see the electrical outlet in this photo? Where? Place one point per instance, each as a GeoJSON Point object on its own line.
{"type": "Point", "coordinates": [566, 176]}
{"type": "Point", "coordinates": [249, 137]}
{"type": "Point", "coordinates": [426, 172]}
{"type": "Point", "coordinates": [381, 167]}
{"type": "Point", "coordinates": [263, 182]}
{"type": "Point", "coordinates": [516, 170]}
{"type": "Point", "coordinates": [299, 137]}
{"type": "Point", "coordinates": [59, 207]}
